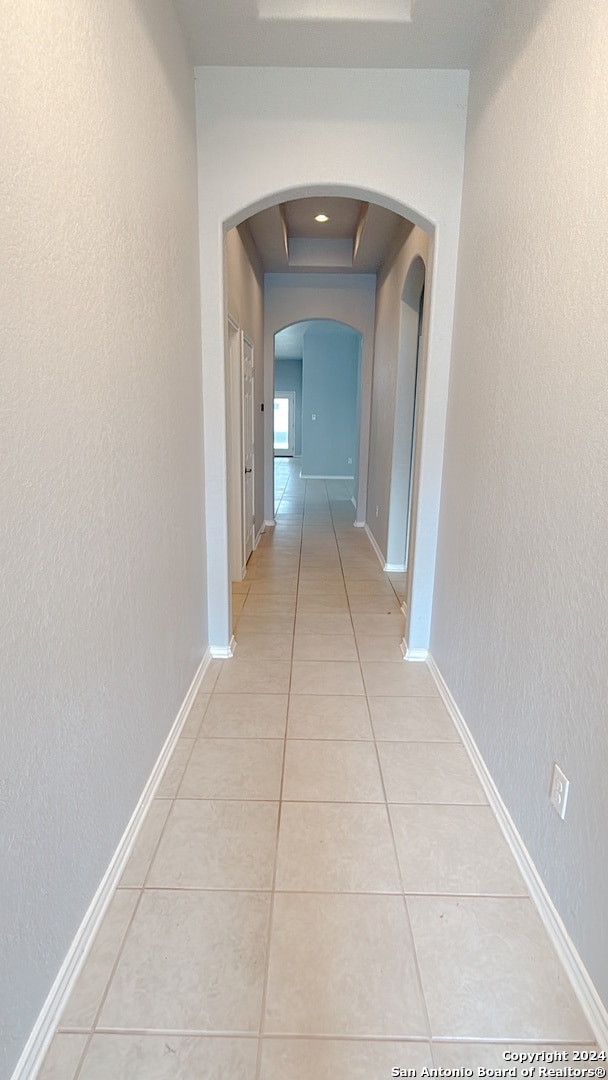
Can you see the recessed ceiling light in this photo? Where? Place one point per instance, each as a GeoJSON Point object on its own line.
{"type": "Point", "coordinates": [321, 217]}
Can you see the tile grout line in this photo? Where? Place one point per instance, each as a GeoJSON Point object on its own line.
{"type": "Point", "coordinates": [262, 1024]}
{"type": "Point", "coordinates": [422, 994]}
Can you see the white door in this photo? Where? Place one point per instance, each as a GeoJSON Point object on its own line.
{"type": "Point", "coordinates": [284, 423]}
{"type": "Point", "coordinates": [248, 448]}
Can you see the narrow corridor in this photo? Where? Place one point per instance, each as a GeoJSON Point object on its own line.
{"type": "Point", "coordinates": [320, 888]}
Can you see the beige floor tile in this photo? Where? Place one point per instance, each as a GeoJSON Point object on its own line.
{"type": "Point", "coordinates": [86, 997]}
{"type": "Point", "coordinates": [325, 647]}
{"type": "Point", "coordinates": [374, 605]}
{"type": "Point", "coordinates": [321, 588]}
{"type": "Point", "coordinates": [261, 603]}
{"type": "Point", "coordinates": [328, 717]}
{"type": "Point", "coordinates": [323, 605]}
{"type": "Point", "coordinates": [489, 972]}
{"type": "Point", "coordinates": [379, 648]}
{"type": "Point", "coordinates": [250, 716]}
{"type": "Point", "coordinates": [454, 849]}
{"type": "Point", "coordinates": [318, 623]}
{"type": "Point", "coordinates": [191, 961]}
{"type": "Point", "coordinates": [173, 774]}
{"type": "Point", "coordinates": [209, 678]}
{"type": "Point", "coordinates": [240, 587]}
{"type": "Point", "coordinates": [195, 717]}
{"type": "Point", "coordinates": [365, 587]}
{"type": "Point", "coordinates": [317, 574]}
{"type": "Point", "coordinates": [412, 719]}
{"type": "Point", "coordinates": [265, 623]}
{"type": "Point", "coordinates": [173, 1057]}
{"type": "Point", "coordinates": [283, 587]}
{"type": "Point", "coordinates": [383, 625]}
{"type": "Point", "coordinates": [210, 844]}
{"type": "Point", "coordinates": [333, 1059]}
{"type": "Point", "coordinates": [342, 965]}
{"type": "Point", "coordinates": [327, 771]}
{"type": "Point", "coordinates": [326, 677]}
{"type": "Point", "coordinates": [428, 773]}
{"type": "Point", "coordinates": [263, 646]}
{"type": "Point", "coordinates": [243, 676]}
{"type": "Point", "coordinates": [463, 1055]}
{"type": "Point", "coordinates": [145, 845]}
{"type": "Point", "coordinates": [384, 679]}
{"type": "Point", "coordinates": [63, 1057]}
{"type": "Point", "coordinates": [234, 769]}
{"type": "Point", "coordinates": [336, 847]}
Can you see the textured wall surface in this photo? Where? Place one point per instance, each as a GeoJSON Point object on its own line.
{"type": "Point", "coordinates": [519, 624]}
{"type": "Point", "coordinates": [396, 137]}
{"type": "Point", "coordinates": [102, 595]}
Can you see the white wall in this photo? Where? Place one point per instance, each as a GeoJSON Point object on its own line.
{"type": "Point", "coordinates": [519, 623]}
{"type": "Point", "coordinates": [347, 298]}
{"type": "Point", "coordinates": [396, 137]}
{"type": "Point", "coordinates": [245, 303]}
{"type": "Point", "coordinates": [102, 605]}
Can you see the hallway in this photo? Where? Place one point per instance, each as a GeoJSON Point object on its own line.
{"type": "Point", "coordinates": [320, 888]}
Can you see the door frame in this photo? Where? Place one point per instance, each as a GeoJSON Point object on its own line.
{"type": "Point", "coordinates": [247, 525]}
{"type": "Point", "coordinates": [291, 449]}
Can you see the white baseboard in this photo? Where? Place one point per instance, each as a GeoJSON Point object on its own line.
{"type": "Point", "coordinates": [374, 543]}
{"type": "Point", "coordinates": [359, 524]}
{"type": "Point", "coordinates": [416, 656]}
{"type": "Point", "coordinates": [223, 652]}
{"type": "Point", "coordinates": [257, 538]}
{"type": "Point", "coordinates": [44, 1029]}
{"type": "Point", "coordinates": [593, 1008]}
{"type": "Point", "coordinates": [270, 524]}
{"type": "Point", "coordinates": [395, 568]}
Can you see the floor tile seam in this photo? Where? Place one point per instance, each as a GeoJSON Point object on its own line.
{"type": "Point", "coordinates": [425, 1008]}
{"type": "Point", "coordinates": [83, 1054]}
{"type": "Point", "coordinates": [168, 1032]}
{"type": "Point", "coordinates": [264, 1001]}
{"type": "Point", "coordinates": [518, 1040]}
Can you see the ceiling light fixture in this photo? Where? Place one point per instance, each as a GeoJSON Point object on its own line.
{"type": "Point", "coordinates": [321, 217]}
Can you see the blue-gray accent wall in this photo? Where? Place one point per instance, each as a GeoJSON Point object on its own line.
{"type": "Point", "coordinates": [330, 393]}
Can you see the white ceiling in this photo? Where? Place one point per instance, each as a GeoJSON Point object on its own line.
{"type": "Point", "coordinates": [378, 230]}
{"type": "Point", "coordinates": [335, 33]}
{"type": "Point", "coordinates": [288, 343]}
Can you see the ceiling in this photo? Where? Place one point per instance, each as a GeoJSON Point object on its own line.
{"type": "Point", "coordinates": [335, 33]}
{"type": "Point", "coordinates": [357, 237]}
{"type": "Point", "coordinates": [289, 343]}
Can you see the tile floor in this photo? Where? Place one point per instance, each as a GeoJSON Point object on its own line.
{"type": "Point", "coordinates": [320, 888]}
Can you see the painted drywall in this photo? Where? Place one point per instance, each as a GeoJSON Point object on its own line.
{"type": "Point", "coordinates": [101, 520]}
{"type": "Point", "coordinates": [288, 376]}
{"type": "Point", "coordinates": [245, 304]}
{"type": "Point", "coordinates": [391, 384]}
{"type": "Point", "coordinates": [519, 622]}
{"type": "Point", "coordinates": [330, 396]}
{"type": "Point", "coordinates": [396, 137]}
{"type": "Point", "coordinates": [347, 298]}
